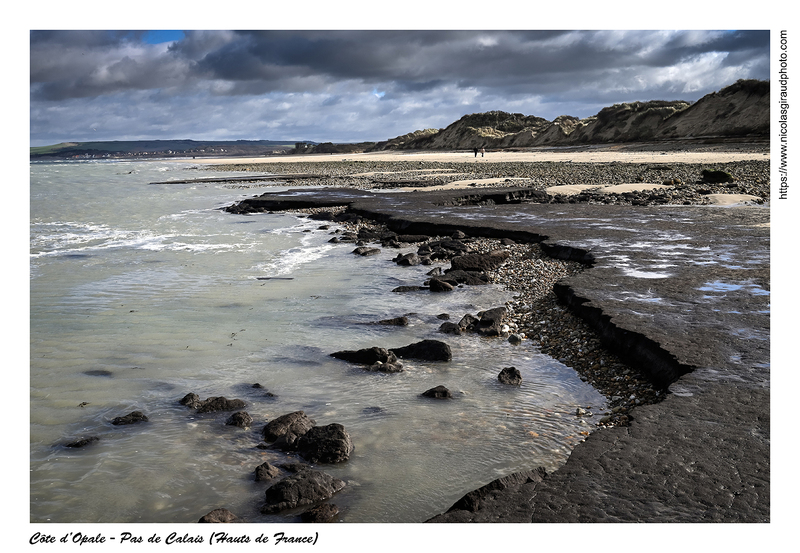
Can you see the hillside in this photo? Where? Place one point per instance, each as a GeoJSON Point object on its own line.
{"type": "Point", "coordinates": [740, 110]}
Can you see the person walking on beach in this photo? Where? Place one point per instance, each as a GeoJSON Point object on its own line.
{"type": "Point", "coordinates": [476, 151]}
{"type": "Point", "coordinates": [483, 151]}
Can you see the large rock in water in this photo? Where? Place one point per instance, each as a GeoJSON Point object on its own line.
{"type": "Point", "coordinates": [306, 487]}
{"type": "Point", "coordinates": [212, 404]}
{"type": "Point", "coordinates": [439, 392]}
{"type": "Point", "coordinates": [426, 350]}
{"type": "Point", "coordinates": [288, 428]}
{"type": "Point", "coordinates": [325, 444]}
{"type": "Point", "coordinates": [375, 359]}
{"type": "Point", "coordinates": [510, 375]}
{"type": "Point", "coordinates": [130, 418]}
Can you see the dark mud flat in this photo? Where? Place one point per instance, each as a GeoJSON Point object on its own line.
{"type": "Point", "coordinates": [680, 292]}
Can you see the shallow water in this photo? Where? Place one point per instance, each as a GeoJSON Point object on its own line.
{"type": "Point", "coordinates": [143, 293]}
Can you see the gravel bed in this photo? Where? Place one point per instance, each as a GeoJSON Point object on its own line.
{"type": "Point", "coordinates": [543, 323]}
{"type": "Point", "coordinates": [749, 177]}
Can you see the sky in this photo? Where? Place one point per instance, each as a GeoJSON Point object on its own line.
{"type": "Point", "coordinates": [359, 85]}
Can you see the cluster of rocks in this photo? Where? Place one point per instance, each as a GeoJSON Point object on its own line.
{"type": "Point", "coordinates": [534, 314]}
{"type": "Point", "coordinates": [292, 485]}
{"type": "Point", "coordinates": [690, 182]}
{"type": "Point", "coordinates": [133, 417]}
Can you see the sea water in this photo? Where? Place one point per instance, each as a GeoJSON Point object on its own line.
{"type": "Point", "coordinates": [141, 293]}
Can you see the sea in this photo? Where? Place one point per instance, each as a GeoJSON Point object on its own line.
{"type": "Point", "coordinates": [141, 293]}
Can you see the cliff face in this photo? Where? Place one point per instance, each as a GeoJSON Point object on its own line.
{"type": "Point", "coordinates": [739, 110]}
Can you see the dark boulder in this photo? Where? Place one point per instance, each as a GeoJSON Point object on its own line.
{"type": "Point", "coordinates": [481, 262]}
{"type": "Point", "coordinates": [426, 350]}
{"type": "Point", "coordinates": [411, 238]}
{"type": "Point", "coordinates": [409, 288]}
{"type": "Point", "coordinates": [242, 419]}
{"type": "Point", "coordinates": [470, 278]}
{"type": "Point", "coordinates": [510, 375]}
{"type": "Point", "coordinates": [364, 251]}
{"type": "Point", "coordinates": [320, 514]}
{"type": "Point", "coordinates": [439, 392]}
{"type": "Point", "coordinates": [408, 259]}
{"type": "Point", "coordinates": [491, 321]}
{"type": "Point", "coordinates": [450, 328]}
{"type": "Point", "coordinates": [367, 356]}
{"type": "Point", "coordinates": [82, 442]}
{"type": "Point", "coordinates": [469, 322]}
{"type": "Point", "coordinates": [130, 418]}
{"type": "Point", "coordinates": [715, 177]}
{"type": "Point", "coordinates": [301, 489]}
{"type": "Point", "coordinates": [211, 404]}
{"type": "Point", "coordinates": [191, 400]}
{"type": "Point", "coordinates": [265, 471]}
{"type": "Point", "coordinates": [397, 321]}
{"type": "Point", "coordinates": [215, 404]}
{"type": "Point", "coordinates": [325, 444]}
{"type": "Point", "coordinates": [438, 285]}
{"type": "Point", "coordinates": [219, 516]}
{"type": "Point", "coordinates": [288, 427]}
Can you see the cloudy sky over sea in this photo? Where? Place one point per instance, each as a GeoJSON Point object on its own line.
{"type": "Point", "coordinates": [350, 86]}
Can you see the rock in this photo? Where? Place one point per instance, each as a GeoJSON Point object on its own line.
{"type": "Point", "coordinates": [470, 278]}
{"type": "Point", "coordinates": [130, 418]}
{"type": "Point", "coordinates": [265, 471]}
{"type": "Point", "coordinates": [241, 419]}
{"type": "Point", "coordinates": [439, 392]}
{"type": "Point", "coordinates": [468, 322]}
{"type": "Point", "coordinates": [219, 516]}
{"type": "Point", "coordinates": [397, 321]}
{"type": "Point", "coordinates": [325, 444]}
{"type": "Point", "coordinates": [715, 177]}
{"type": "Point", "coordinates": [437, 285]}
{"type": "Point", "coordinates": [366, 356]}
{"type": "Point", "coordinates": [491, 321]}
{"type": "Point", "coordinates": [289, 427]}
{"type": "Point", "coordinates": [515, 339]}
{"type": "Point", "coordinates": [411, 238]}
{"type": "Point", "coordinates": [481, 262]}
{"type": "Point", "coordinates": [408, 259]}
{"type": "Point", "coordinates": [510, 375]}
{"type": "Point", "coordinates": [215, 404]}
{"type": "Point", "coordinates": [320, 514]}
{"type": "Point", "coordinates": [426, 350]}
{"type": "Point", "coordinates": [191, 400]}
{"type": "Point", "coordinates": [450, 328]}
{"type": "Point", "coordinates": [409, 289]}
{"type": "Point", "coordinates": [365, 251]}
{"type": "Point", "coordinates": [393, 367]}
{"type": "Point", "coordinates": [211, 404]}
{"type": "Point", "coordinates": [82, 442]}
{"type": "Point", "coordinates": [306, 487]}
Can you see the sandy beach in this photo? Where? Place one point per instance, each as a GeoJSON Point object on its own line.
{"type": "Point", "coordinates": [623, 174]}
{"type": "Point", "coordinates": [596, 155]}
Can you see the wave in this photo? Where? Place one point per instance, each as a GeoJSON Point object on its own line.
{"type": "Point", "coordinates": [71, 239]}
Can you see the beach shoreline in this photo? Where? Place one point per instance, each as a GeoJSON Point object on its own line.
{"type": "Point", "coordinates": [706, 369]}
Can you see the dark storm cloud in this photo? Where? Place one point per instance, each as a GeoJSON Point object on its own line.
{"type": "Point", "coordinates": [366, 85]}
